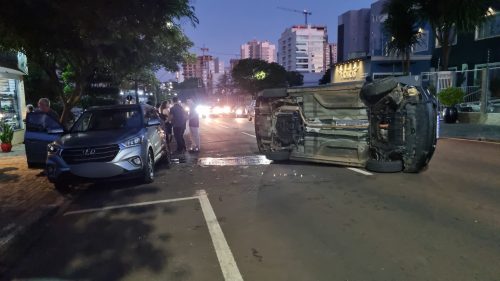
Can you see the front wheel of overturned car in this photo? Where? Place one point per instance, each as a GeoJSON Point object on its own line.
{"type": "Point", "coordinates": [149, 171]}
{"type": "Point", "coordinates": [384, 166]}
{"type": "Point", "coordinates": [374, 91]}
{"type": "Point", "coordinates": [282, 155]}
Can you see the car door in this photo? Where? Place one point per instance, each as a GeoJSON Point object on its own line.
{"type": "Point", "coordinates": [41, 129]}
{"type": "Point", "coordinates": [155, 132]}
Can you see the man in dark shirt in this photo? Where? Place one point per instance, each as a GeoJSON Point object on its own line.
{"type": "Point", "coordinates": [44, 106]}
{"type": "Point", "coordinates": [178, 118]}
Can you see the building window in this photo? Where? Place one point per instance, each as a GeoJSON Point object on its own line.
{"type": "Point", "coordinates": [490, 28]}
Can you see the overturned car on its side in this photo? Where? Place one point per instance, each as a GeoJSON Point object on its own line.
{"type": "Point", "coordinates": [382, 125]}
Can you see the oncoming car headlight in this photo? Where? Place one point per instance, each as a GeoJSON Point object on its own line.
{"type": "Point", "coordinates": [132, 142]}
{"type": "Point", "coordinates": [53, 148]}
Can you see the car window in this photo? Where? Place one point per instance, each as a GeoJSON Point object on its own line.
{"type": "Point", "coordinates": [41, 122]}
{"type": "Point", "coordinates": [114, 119]}
{"type": "Point", "coordinates": [150, 114]}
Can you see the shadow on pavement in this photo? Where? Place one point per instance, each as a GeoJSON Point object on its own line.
{"type": "Point", "coordinates": [108, 245]}
{"type": "Point", "coordinates": [5, 178]}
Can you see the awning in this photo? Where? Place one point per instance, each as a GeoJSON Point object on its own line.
{"type": "Point", "coordinates": [10, 73]}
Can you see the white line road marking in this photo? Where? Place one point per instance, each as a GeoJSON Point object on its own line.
{"type": "Point", "coordinates": [360, 171]}
{"type": "Point", "coordinates": [224, 255]}
{"type": "Point", "coordinates": [250, 135]}
{"type": "Point", "coordinates": [226, 260]}
{"type": "Point", "coordinates": [129, 205]}
{"type": "Point", "coordinates": [480, 141]}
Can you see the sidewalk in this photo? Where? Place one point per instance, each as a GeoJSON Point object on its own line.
{"type": "Point", "coordinates": [26, 201]}
{"type": "Point", "coordinates": [470, 131]}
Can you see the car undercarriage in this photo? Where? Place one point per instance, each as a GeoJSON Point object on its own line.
{"type": "Point", "coordinates": [383, 125]}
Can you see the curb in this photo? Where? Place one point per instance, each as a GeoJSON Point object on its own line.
{"type": "Point", "coordinates": [16, 239]}
{"type": "Point", "coordinates": [484, 140]}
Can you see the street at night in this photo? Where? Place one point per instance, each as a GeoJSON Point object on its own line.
{"type": "Point", "coordinates": [246, 219]}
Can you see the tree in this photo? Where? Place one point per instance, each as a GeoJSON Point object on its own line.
{"type": "Point", "coordinates": [65, 37]}
{"type": "Point", "coordinates": [449, 17]}
{"type": "Point", "coordinates": [294, 78]}
{"type": "Point", "coordinates": [327, 77]}
{"type": "Point", "coordinates": [225, 85]}
{"type": "Point", "coordinates": [253, 75]}
{"type": "Point", "coordinates": [401, 26]}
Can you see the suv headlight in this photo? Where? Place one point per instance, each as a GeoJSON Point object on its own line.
{"type": "Point", "coordinates": [53, 148]}
{"type": "Point", "coordinates": [132, 142]}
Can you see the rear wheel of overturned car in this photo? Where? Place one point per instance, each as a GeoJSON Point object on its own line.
{"type": "Point", "coordinates": [282, 155]}
{"type": "Point", "coordinates": [374, 91]}
{"type": "Point", "coordinates": [384, 166]}
{"type": "Point", "coordinates": [149, 171]}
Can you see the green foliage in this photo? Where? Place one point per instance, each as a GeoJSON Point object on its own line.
{"type": "Point", "coordinates": [127, 36]}
{"type": "Point", "coordinates": [294, 78]}
{"type": "Point", "coordinates": [252, 75]}
{"type": "Point", "coordinates": [327, 77]}
{"type": "Point", "coordinates": [189, 83]}
{"type": "Point", "coordinates": [68, 79]}
{"type": "Point", "coordinates": [447, 17]}
{"type": "Point", "coordinates": [451, 96]}
{"type": "Point", "coordinates": [401, 26]}
{"type": "Point", "coordinates": [7, 133]}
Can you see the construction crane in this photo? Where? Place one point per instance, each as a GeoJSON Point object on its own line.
{"type": "Point", "coordinates": [304, 12]}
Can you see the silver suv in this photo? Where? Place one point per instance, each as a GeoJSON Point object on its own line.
{"type": "Point", "coordinates": [111, 142]}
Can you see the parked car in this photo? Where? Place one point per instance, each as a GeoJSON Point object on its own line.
{"type": "Point", "coordinates": [383, 125]}
{"type": "Point", "coordinates": [109, 142]}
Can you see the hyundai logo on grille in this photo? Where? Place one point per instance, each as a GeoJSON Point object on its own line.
{"type": "Point", "coordinates": [88, 151]}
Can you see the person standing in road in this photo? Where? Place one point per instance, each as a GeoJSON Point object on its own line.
{"type": "Point", "coordinates": [178, 118]}
{"type": "Point", "coordinates": [44, 106]}
{"type": "Point", "coordinates": [194, 126]}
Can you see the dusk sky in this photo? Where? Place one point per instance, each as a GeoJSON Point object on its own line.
{"type": "Point", "coordinates": [226, 24]}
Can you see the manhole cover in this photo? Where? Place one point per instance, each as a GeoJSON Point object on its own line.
{"type": "Point", "coordinates": [234, 161]}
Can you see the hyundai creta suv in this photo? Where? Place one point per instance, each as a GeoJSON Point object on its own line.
{"type": "Point", "coordinates": [110, 142]}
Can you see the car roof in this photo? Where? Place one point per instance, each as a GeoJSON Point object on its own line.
{"type": "Point", "coordinates": [120, 106]}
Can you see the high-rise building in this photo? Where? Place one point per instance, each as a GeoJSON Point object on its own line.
{"type": "Point", "coordinates": [205, 68]}
{"type": "Point", "coordinates": [353, 34]}
{"type": "Point", "coordinates": [262, 50]}
{"type": "Point", "coordinates": [302, 48]}
{"type": "Point", "coordinates": [333, 52]}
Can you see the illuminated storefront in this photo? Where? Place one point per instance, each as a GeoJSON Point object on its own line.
{"type": "Point", "coordinates": [349, 71]}
{"type": "Point", "coordinates": [12, 100]}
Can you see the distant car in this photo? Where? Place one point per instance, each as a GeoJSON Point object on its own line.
{"type": "Point", "coordinates": [110, 142]}
{"type": "Point", "coordinates": [383, 125]}
{"type": "Point", "coordinates": [239, 111]}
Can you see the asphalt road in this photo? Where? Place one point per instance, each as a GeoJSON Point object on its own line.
{"type": "Point", "coordinates": [288, 221]}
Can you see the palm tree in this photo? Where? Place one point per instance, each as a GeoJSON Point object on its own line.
{"type": "Point", "coordinates": [401, 27]}
{"type": "Point", "coordinates": [449, 17]}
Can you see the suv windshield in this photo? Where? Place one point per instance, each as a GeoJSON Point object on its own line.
{"type": "Point", "coordinates": [111, 119]}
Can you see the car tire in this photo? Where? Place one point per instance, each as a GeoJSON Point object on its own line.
{"type": "Point", "coordinates": [384, 166]}
{"type": "Point", "coordinates": [282, 155]}
{"type": "Point", "coordinates": [420, 129]}
{"type": "Point", "coordinates": [374, 91]}
{"type": "Point", "coordinates": [274, 93]}
{"type": "Point", "coordinates": [149, 168]}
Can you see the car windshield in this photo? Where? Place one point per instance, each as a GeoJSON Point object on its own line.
{"type": "Point", "coordinates": [102, 120]}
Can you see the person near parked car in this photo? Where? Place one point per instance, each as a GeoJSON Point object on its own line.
{"type": "Point", "coordinates": [178, 118]}
{"type": "Point", "coordinates": [44, 106]}
{"type": "Point", "coordinates": [164, 110]}
{"type": "Point", "coordinates": [194, 126]}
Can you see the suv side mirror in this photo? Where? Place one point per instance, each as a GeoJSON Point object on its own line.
{"type": "Point", "coordinates": [153, 122]}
